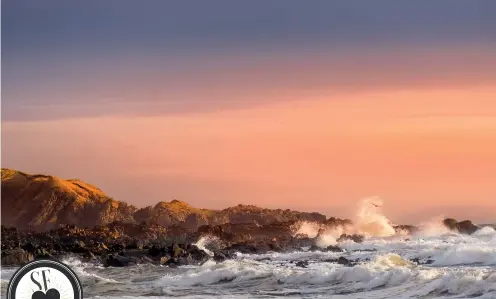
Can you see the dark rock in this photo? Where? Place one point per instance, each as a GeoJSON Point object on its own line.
{"type": "Point", "coordinates": [88, 255]}
{"type": "Point", "coordinates": [176, 251]}
{"type": "Point", "coordinates": [198, 256]}
{"type": "Point", "coordinates": [315, 248]}
{"type": "Point", "coordinates": [29, 247]}
{"type": "Point", "coordinates": [263, 247]}
{"type": "Point", "coordinates": [335, 222]}
{"type": "Point", "coordinates": [145, 260]}
{"type": "Point", "coordinates": [467, 227]}
{"type": "Point", "coordinates": [155, 251]}
{"type": "Point", "coordinates": [366, 250]}
{"type": "Point", "coordinates": [222, 255]}
{"type": "Point", "coordinates": [134, 245]}
{"type": "Point", "coordinates": [186, 260]}
{"type": "Point", "coordinates": [16, 257]}
{"type": "Point", "coordinates": [450, 223]}
{"type": "Point", "coordinates": [354, 238]}
{"type": "Point", "coordinates": [243, 248]}
{"type": "Point", "coordinates": [419, 262]}
{"type": "Point", "coordinates": [113, 260]}
{"type": "Point", "coordinates": [137, 253]}
{"type": "Point", "coordinates": [410, 229]}
{"type": "Point", "coordinates": [219, 256]}
{"type": "Point", "coordinates": [99, 248]}
{"type": "Point", "coordinates": [263, 259]}
{"type": "Point", "coordinates": [463, 227]}
{"type": "Point", "coordinates": [180, 255]}
{"type": "Point", "coordinates": [276, 247]}
{"type": "Point", "coordinates": [117, 247]}
{"type": "Point", "coordinates": [42, 253]}
{"type": "Point", "coordinates": [342, 261]}
{"type": "Point", "coordinates": [300, 242]}
{"type": "Point", "coordinates": [302, 264]}
{"type": "Point", "coordinates": [333, 248]}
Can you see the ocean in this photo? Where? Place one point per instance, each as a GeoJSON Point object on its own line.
{"type": "Point", "coordinates": [461, 266]}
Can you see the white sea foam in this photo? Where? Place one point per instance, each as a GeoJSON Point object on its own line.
{"type": "Point", "coordinates": [389, 272]}
{"type": "Point", "coordinates": [485, 231]}
{"type": "Point", "coordinates": [310, 229]}
{"type": "Point", "coordinates": [370, 221]}
{"type": "Point", "coordinates": [205, 241]}
{"type": "Point", "coordinates": [325, 240]}
{"type": "Point", "coordinates": [433, 227]}
{"type": "Point", "coordinates": [463, 267]}
{"type": "Point", "coordinates": [460, 266]}
{"type": "Point", "coordinates": [466, 254]}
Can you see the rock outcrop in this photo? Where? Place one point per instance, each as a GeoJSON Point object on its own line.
{"type": "Point", "coordinates": [175, 212]}
{"type": "Point", "coordinates": [124, 244]}
{"type": "Point", "coordinates": [261, 216]}
{"type": "Point", "coordinates": [463, 227]}
{"type": "Point", "coordinates": [45, 216]}
{"type": "Point", "coordinates": [115, 244]}
{"type": "Point", "coordinates": [180, 213]}
{"type": "Point", "coordinates": [43, 202]}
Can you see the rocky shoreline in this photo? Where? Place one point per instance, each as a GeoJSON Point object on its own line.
{"type": "Point", "coordinates": [46, 216]}
{"type": "Point", "coordinates": [124, 244]}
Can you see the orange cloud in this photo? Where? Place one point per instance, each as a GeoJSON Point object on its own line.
{"type": "Point", "coordinates": [414, 147]}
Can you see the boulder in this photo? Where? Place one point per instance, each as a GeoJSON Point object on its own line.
{"type": "Point", "coordinates": [342, 261]}
{"type": "Point", "coordinates": [334, 248]}
{"type": "Point", "coordinates": [115, 260]}
{"type": "Point", "coordinates": [355, 238]}
{"type": "Point", "coordinates": [243, 248]}
{"type": "Point", "coordinates": [16, 256]}
{"type": "Point", "coordinates": [463, 227]}
{"type": "Point", "coordinates": [467, 227]}
{"type": "Point", "coordinates": [302, 264]}
{"type": "Point", "coordinates": [198, 256]}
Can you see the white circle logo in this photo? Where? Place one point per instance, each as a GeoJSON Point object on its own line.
{"type": "Point", "coordinates": [44, 279]}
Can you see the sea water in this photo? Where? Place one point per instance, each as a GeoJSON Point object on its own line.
{"type": "Point", "coordinates": [460, 266]}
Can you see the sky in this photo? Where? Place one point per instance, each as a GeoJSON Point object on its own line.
{"type": "Point", "coordinates": [281, 104]}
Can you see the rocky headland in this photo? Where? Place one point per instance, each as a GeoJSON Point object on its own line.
{"type": "Point", "coordinates": [45, 216]}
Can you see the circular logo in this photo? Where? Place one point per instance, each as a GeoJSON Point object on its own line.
{"type": "Point", "coordinates": [44, 279]}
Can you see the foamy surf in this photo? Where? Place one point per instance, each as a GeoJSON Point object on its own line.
{"type": "Point", "coordinates": [434, 262]}
{"type": "Point", "coordinates": [462, 267]}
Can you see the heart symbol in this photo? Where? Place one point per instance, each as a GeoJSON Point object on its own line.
{"type": "Point", "coordinates": [50, 294]}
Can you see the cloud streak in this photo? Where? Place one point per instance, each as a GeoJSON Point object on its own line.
{"type": "Point", "coordinates": [319, 152]}
{"type": "Point", "coordinates": [227, 83]}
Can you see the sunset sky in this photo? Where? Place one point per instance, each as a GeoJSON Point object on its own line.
{"type": "Point", "coordinates": [282, 104]}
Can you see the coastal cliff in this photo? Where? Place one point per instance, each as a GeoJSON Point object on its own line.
{"type": "Point", "coordinates": [44, 202]}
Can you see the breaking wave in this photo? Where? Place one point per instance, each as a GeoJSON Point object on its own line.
{"type": "Point", "coordinates": [205, 241]}
{"type": "Point", "coordinates": [433, 262]}
{"type": "Point", "coordinates": [420, 266]}
{"type": "Point", "coordinates": [368, 221]}
{"type": "Point", "coordinates": [386, 276]}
